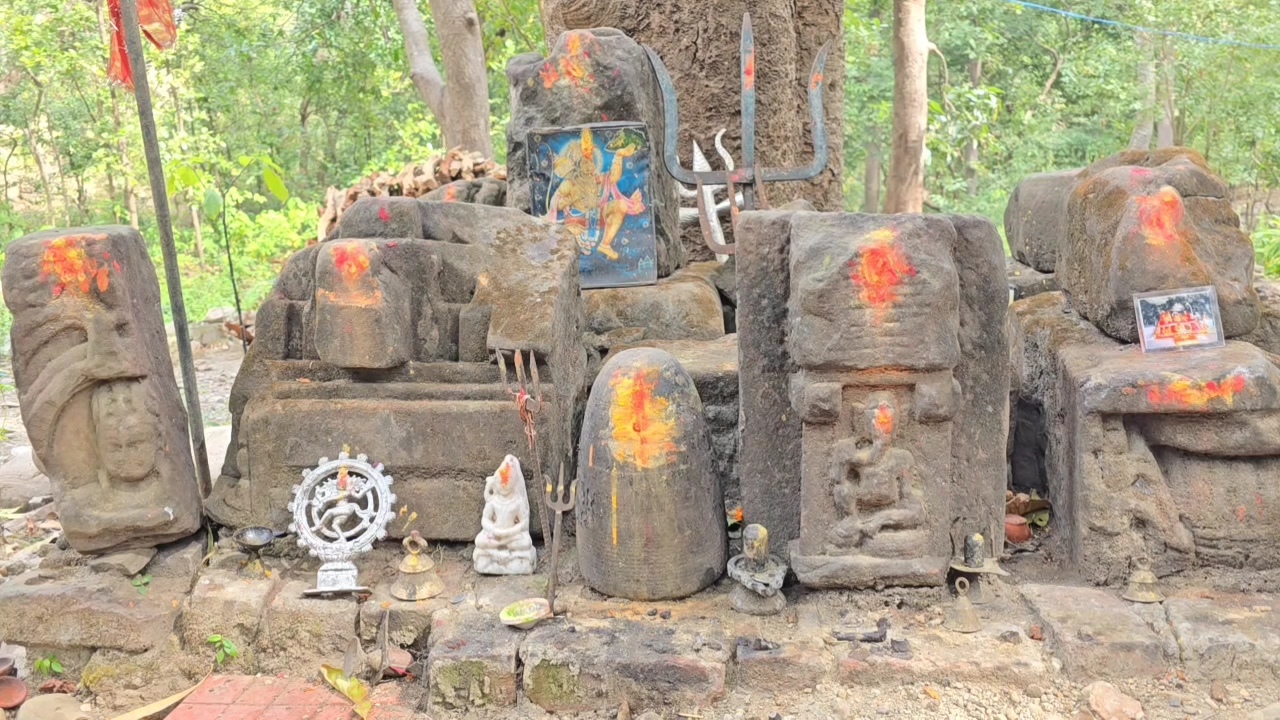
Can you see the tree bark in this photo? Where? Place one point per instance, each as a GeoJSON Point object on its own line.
{"type": "Point", "coordinates": [871, 179]}
{"type": "Point", "coordinates": [910, 107]}
{"type": "Point", "coordinates": [1165, 129]}
{"type": "Point", "coordinates": [461, 105]}
{"type": "Point", "coordinates": [195, 224]}
{"type": "Point", "coordinates": [34, 145]}
{"type": "Point", "coordinates": [971, 147]}
{"type": "Point", "coordinates": [1143, 127]}
{"type": "Point", "coordinates": [699, 44]}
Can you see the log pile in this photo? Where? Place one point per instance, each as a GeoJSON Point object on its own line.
{"type": "Point", "coordinates": [415, 180]}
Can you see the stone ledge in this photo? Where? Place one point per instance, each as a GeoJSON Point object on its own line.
{"type": "Point", "coordinates": [472, 660]}
{"type": "Point", "coordinates": [1227, 637]}
{"type": "Point", "coordinates": [1095, 634]}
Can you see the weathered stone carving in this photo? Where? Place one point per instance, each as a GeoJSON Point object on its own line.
{"type": "Point", "coordinates": [1141, 221]}
{"type": "Point", "coordinates": [893, 328]}
{"type": "Point", "coordinates": [96, 387]}
{"type": "Point", "coordinates": [1170, 456]}
{"type": "Point", "coordinates": [386, 343]}
{"type": "Point", "coordinates": [896, 357]}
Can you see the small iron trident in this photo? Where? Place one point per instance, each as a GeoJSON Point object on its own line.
{"type": "Point", "coordinates": [529, 406]}
{"type": "Point", "coordinates": [559, 503]}
{"type": "Point", "coordinates": [749, 174]}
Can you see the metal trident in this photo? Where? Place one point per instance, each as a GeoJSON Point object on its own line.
{"type": "Point", "coordinates": [529, 405]}
{"type": "Point", "coordinates": [560, 503]}
{"type": "Point", "coordinates": [748, 174]}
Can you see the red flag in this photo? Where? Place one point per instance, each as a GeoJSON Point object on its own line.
{"type": "Point", "coordinates": [156, 19]}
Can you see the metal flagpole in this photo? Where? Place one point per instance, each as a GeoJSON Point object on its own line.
{"type": "Point", "coordinates": [159, 196]}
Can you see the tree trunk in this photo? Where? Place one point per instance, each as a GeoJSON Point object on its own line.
{"type": "Point", "coordinates": [126, 165]}
{"type": "Point", "coordinates": [871, 179]}
{"type": "Point", "coordinates": [34, 146]}
{"type": "Point", "coordinates": [1165, 134]}
{"type": "Point", "coordinates": [699, 44]}
{"type": "Point", "coordinates": [971, 147]}
{"type": "Point", "coordinates": [910, 107]}
{"type": "Point", "coordinates": [1144, 124]}
{"type": "Point", "coordinates": [195, 224]}
{"type": "Point", "coordinates": [460, 105]}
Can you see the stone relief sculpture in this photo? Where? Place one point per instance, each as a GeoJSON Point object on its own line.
{"type": "Point", "coordinates": [873, 486]}
{"type": "Point", "coordinates": [91, 362]}
{"type": "Point", "coordinates": [504, 545]}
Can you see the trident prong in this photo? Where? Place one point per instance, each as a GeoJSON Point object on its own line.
{"type": "Point", "coordinates": [528, 405]}
{"type": "Point", "coordinates": [749, 175]}
{"type": "Point", "coordinates": [560, 503]}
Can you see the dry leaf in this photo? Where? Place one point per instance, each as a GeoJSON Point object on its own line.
{"type": "Point", "coordinates": [355, 689]}
{"type": "Point", "coordinates": [932, 693]}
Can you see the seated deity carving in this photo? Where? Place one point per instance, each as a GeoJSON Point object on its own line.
{"type": "Point", "coordinates": [874, 489]}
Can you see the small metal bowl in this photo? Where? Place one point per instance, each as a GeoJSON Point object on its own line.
{"type": "Point", "coordinates": [254, 538]}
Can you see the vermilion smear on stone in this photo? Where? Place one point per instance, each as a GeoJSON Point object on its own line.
{"type": "Point", "coordinates": [880, 268]}
{"type": "Point", "coordinates": [66, 260]}
{"type": "Point", "coordinates": [1160, 216]}
{"type": "Point", "coordinates": [1188, 393]}
{"type": "Point", "coordinates": [351, 260]}
{"type": "Point", "coordinates": [884, 419]}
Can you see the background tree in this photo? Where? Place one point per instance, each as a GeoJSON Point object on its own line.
{"type": "Point", "coordinates": [910, 107]}
{"type": "Point", "coordinates": [460, 104]}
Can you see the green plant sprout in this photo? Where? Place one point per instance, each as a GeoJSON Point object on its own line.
{"type": "Point", "coordinates": [225, 649]}
{"type": "Point", "coordinates": [49, 665]}
{"type": "Point", "coordinates": [142, 583]}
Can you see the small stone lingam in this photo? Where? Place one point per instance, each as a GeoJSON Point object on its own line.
{"type": "Point", "coordinates": [975, 564]}
{"type": "Point", "coordinates": [759, 575]}
{"type": "Point", "coordinates": [504, 546]}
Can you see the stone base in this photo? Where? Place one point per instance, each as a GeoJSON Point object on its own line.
{"type": "Point", "coordinates": [745, 601]}
{"type": "Point", "coordinates": [833, 571]}
{"type": "Point", "coordinates": [1096, 634]}
{"type": "Point", "coordinates": [685, 306]}
{"type": "Point", "coordinates": [1027, 281]}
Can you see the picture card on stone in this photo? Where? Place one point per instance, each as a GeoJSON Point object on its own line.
{"type": "Point", "coordinates": [595, 180]}
{"type": "Point", "coordinates": [1179, 319]}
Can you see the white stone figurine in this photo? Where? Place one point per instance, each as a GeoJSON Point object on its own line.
{"type": "Point", "coordinates": [504, 546]}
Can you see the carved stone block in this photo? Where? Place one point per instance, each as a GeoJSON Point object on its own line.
{"type": "Point", "coordinates": [96, 387]}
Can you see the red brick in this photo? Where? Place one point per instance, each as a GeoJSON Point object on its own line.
{"type": "Point", "coordinates": [262, 692]}
{"type": "Point", "coordinates": [241, 712]}
{"type": "Point", "coordinates": [334, 712]}
{"type": "Point", "coordinates": [287, 712]}
{"type": "Point", "coordinates": [197, 712]}
{"type": "Point", "coordinates": [301, 692]}
{"type": "Point", "coordinates": [220, 690]}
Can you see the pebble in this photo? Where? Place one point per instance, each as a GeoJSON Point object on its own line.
{"type": "Point", "coordinates": [1034, 691]}
{"type": "Point", "coordinates": [1218, 691]}
{"type": "Point", "coordinates": [1012, 637]}
{"type": "Point", "coordinates": [1175, 702]}
{"type": "Point", "coordinates": [666, 615]}
{"type": "Point", "coordinates": [652, 612]}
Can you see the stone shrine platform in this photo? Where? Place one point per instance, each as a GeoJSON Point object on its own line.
{"type": "Point", "coordinates": [1212, 650]}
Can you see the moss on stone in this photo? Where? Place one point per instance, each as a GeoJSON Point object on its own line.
{"type": "Point", "coordinates": [554, 685]}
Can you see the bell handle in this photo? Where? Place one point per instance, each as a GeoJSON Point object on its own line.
{"type": "Point", "coordinates": [414, 544]}
{"type": "Point", "coordinates": [962, 586]}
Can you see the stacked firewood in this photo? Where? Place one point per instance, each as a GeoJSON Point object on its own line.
{"type": "Point", "coordinates": [416, 180]}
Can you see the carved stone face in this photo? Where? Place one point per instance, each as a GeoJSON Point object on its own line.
{"type": "Point", "coordinates": [126, 427]}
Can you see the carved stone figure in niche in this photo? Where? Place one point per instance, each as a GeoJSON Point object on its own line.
{"type": "Point", "coordinates": [96, 387]}
{"type": "Point", "coordinates": [504, 546]}
{"type": "Point", "coordinates": [873, 489]}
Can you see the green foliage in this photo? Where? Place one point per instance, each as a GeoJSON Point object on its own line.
{"type": "Point", "coordinates": [224, 648]}
{"type": "Point", "coordinates": [141, 583]}
{"type": "Point", "coordinates": [1266, 239]}
{"type": "Point", "coordinates": [49, 665]}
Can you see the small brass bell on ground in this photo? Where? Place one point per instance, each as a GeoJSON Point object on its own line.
{"type": "Point", "coordinates": [964, 616]}
{"type": "Point", "coordinates": [1142, 584]}
{"type": "Point", "coordinates": [418, 579]}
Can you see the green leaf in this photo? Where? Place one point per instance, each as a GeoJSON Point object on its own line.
{"type": "Point", "coordinates": [212, 203]}
{"type": "Point", "coordinates": [221, 657]}
{"type": "Point", "coordinates": [214, 639]}
{"type": "Point", "coordinates": [245, 161]}
{"type": "Point", "coordinates": [57, 666]}
{"type": "Point", "coordinates": [275, 184]}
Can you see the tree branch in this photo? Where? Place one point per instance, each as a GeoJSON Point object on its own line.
{"type": "Point", "coordinates": [1053, 75]}
{"type": "Point", "coordinates": [422, 67]}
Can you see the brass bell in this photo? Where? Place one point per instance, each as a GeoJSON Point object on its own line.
{"type": "Point", "coordinates": [964, 616]}
{"type": "Point", "coordinates": [418, 579]}
{"type": "Point", "coordinates": [1142, 584]}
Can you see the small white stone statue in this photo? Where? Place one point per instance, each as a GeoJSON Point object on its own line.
{"type": "Point", "coordinates": [504, 546]}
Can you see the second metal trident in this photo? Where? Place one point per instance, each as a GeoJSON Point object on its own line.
{"type": "Point", "coordinates": [748, 174]}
